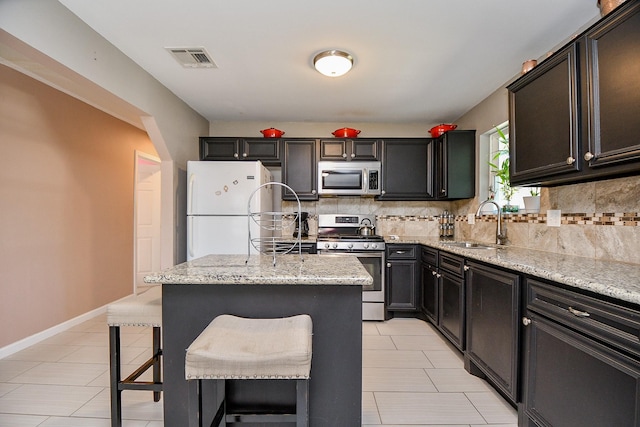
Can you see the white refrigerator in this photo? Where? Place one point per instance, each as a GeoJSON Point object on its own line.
{"type": "Point", "coordinates": [217, 206]}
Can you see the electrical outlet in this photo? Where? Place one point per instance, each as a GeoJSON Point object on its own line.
{"type": "Point", "coordinates": [554, 218]}
{"type": "Point", "coordinates": [471, 218]}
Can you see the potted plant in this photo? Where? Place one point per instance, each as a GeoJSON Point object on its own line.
{"type": "Point", "coordinates": [501, 171]}
{"type": "Point", "coordinates": [532, 202]}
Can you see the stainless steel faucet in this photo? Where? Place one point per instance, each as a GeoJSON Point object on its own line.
{"type": "Point", "coordinates": [501, 238]}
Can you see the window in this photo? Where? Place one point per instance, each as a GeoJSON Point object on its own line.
{"type": "Point", "coordinates": [499, 189]}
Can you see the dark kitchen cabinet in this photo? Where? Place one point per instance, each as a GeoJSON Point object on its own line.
{"type": "Point", "coordinates": [407, 172]}
{"type": "Point", "coordinates": [582, 360]}
{"type": "Point", "coordinates": [493, 326]}
{"type": "Point", "coordinates": [455, 165]}
{"type": "Point", "coordinates": [574, 116]}
{"type": "Point", "coordinates": [451, 312]}
{"type": "Point", "coordinates": [430, 282]}
{"type": "Point", "coordinates": [267, 150]}
{"type": "Point", "coordinates": [299, 169]}
{"type": "Point", "coordinates": [350, 149]}
{"type": "Point", "coordinates": [402, 277]}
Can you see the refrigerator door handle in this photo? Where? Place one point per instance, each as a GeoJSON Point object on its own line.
{"type": "Point", "coordinates": [190, 237]}
{"type": "Point", "coordinates": [192, 179]}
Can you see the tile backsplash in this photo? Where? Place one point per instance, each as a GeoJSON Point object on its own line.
{"type": "Point", "coordinates": [599, 220]}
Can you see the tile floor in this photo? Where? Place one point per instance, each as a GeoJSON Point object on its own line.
{"type": "Point", "coordinates": [411, 376]}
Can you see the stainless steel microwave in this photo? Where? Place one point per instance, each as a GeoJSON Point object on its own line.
{"type": "Point", "coordinates": [349, 178]}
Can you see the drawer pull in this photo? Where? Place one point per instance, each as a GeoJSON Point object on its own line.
{"type": "Point", "coordinates": [401, 252]}
{"type": "Point", "coordinates": [578, 313]}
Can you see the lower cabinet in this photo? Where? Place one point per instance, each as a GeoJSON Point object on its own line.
{"type": "Point", "coordinates": [564, 357]}
{"type": "Point", "coordinates": [493, 326]}
{"type": "Point", "coordinates": [582, 361]}
{"type": "Point", "coordinates": [451, 313]}
{"type": "Point", "coordinates": [430, 282]}
{"type": "Point", "coordinates": [402, 278]}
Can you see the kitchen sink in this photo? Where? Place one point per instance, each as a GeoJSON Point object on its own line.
{"type": "Point", "coordinates": [468, 245]}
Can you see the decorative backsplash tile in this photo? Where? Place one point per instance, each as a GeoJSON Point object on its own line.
{"type": "Point", "coordinates": [600, 220]}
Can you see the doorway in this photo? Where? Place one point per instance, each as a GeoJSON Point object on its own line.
{"type": "Point", "coordinates": [147, 204]}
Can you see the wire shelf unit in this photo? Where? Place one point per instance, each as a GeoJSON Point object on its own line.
{"type": "Point", "coordinates": [271, 225]}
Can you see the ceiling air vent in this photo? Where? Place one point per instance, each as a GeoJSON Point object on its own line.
{"type": "Point", "coordinates": [192, 57]}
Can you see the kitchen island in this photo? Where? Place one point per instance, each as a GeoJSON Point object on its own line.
{"type": "Point", "coordinates": [328, 289]}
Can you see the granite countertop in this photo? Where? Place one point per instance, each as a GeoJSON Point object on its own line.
{"type": "Point", "coordinates": [614, 279]}
{"type": "Point", "coordinates": [289, 270]}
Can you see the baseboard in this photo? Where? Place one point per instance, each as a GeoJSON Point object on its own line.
{"type": "Point", "coordinates": [48, 333]}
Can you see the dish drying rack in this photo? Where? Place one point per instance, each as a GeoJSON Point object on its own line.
{"type": "Point", "coordinates": [274, 223]}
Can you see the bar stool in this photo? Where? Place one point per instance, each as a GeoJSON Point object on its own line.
{"type": "Point", "coordinates": [236, 348]}
{"type": "Point", "coordinates": [141, 310]}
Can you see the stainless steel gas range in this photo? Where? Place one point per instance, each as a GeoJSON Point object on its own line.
{"type": "Point", "coordinates": [351, 235]}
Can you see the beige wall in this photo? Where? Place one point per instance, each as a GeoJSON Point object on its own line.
{"type": "Point", "coordinates": [66, 215]}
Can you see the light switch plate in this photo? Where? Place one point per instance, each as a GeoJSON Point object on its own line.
{"type": "Point", "coordinates": [553, 218]}
{"type": "Point", "coordinates": [471, 218]}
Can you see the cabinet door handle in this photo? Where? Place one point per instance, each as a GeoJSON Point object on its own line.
{"type": "Point", "coordinates": [570, 160]}
{"type": "Point", "coordinates": [578, 313]}
{"type": "Point", "coordinates": [344, 155]}
{"type": "Point", "coordinates": [244, 154]}
{"type": "Point", "coordinates": [588, 156]}
{"type": "Point", "coordinates": [353, 155]}
{"type": "Point", "coordinates": [435, 273]}
{"type": "Point", "coordinates": [438, 275]}
{"type": "Point", "coordinates": [313, 191]}
{"type": "Point", "coordinates": [526, 321]}
{"type": "Point", "coordinates": [235, 155]}
{"type": "Point", "coordinates": [466, 268]}
{"type": "Point", "coordinates": [388, 265]}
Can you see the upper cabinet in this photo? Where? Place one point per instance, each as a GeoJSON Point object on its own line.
{"type": "Point", "coordinates": [299, 169]}
{"type": "Point", "coordinates": [455, 165]}
{"type": "Point", "coordinates": [407, 169]}
{"type": "Point", "coordinates": [350, 149]}
{"type": "Point", "coordinates": [267, 150]}
{"type": "Point", "coordinates": [429, 169]}
{"type": "Point", "coordinates": [574, 117]}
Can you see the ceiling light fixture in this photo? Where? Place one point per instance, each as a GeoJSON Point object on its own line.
{"type": "Point", "coordinates": [333, 63]}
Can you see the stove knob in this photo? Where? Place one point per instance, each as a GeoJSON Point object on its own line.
{"type": "Point", "coordinates": [350, 245]}
{"type": "Point", "coordinates": [374, 245]}
{"type": "Point", "coordinates": [366, 245]}
{"type": "Point", "coordinates": [326, 246]}
{"type": "Point", "coordinates": [335, 246]}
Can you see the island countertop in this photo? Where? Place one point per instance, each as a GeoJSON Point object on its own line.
{"type": "Point", "coordinates": [328, 289]}
{"type": "Point", "coordinates": [259, 269]}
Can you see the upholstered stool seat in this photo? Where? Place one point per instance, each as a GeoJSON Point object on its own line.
{"type": "Point", "coordinates": [236, 348]}
{"type": "Point", "coordinates": [141, 310]}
